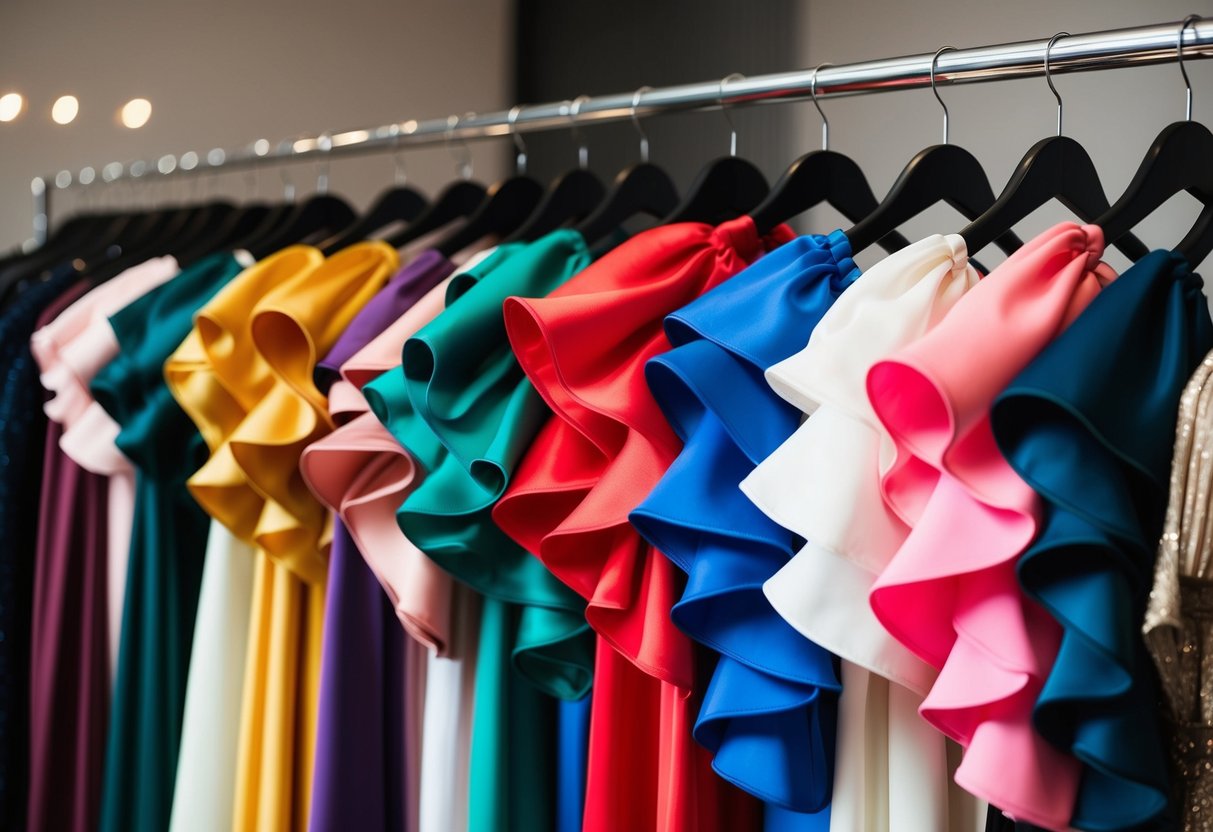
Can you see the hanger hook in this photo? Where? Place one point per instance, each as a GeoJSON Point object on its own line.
{"type": "Point", "coordinates": [644, 139]}
{"type": "Point", "coordinates": [519, 144]}
{"type": "Point", "coordinates": [724, 109]}
{"type": "Point", "coordinates": [324, 142]}
{"type": "Point", "coordinates": [583, 149]}
{"type": "Point", "coordinates": [935, 90]}
{"type": "Point", "coordinates": [1049, 75]}
{"type": "Point", "coordinates": [825, 122]}
{"type": "Point", "coordinates": [1179, 58]}
{"type": "Point", "coordinates": [463, 161]}
{"type": "Point", "coordinates": [288, 187]}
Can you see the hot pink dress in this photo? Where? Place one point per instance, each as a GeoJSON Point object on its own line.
{"type": "Point", "coordinates": [950, 593]}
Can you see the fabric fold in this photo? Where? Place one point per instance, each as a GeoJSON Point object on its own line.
{"type": "Point", "coordinates": [1091, 564]}
{"type": "Point", "coordinates": [823, 484]}
{"type": "Point", "coordinates": [569, 502]}
{"type": "Point", "coordinates": [949, 593]}
{"type": "Point", "coordinates": [768, 714]}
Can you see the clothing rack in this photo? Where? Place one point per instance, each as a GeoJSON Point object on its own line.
{"type": "Point", "coordinates": [1113, 49]}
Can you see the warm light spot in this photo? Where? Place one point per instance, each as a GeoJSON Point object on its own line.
{"type": "Point", "coordinates": [11, 105]}
{"type": "Point", "coordinates": [65, 108]}
{"type": "Point", "coordinates": [136, 112]}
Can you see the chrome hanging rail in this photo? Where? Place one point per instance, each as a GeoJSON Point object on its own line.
{"type": "Point", "coordinates": [1114, 49]}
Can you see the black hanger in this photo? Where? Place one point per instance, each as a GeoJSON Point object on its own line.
{"type": "Point", "coordinates": [941, 173]}
{"type": "Point", "coordinates": [642, 189]}
{"type": "Point", "coordinates": [239, 224]}
{"type": "Point", "coordinates": [508, 205]}
{"type": "Point", "coordinates": [398, 204]}
{"type": "Point", "coordinates": [1058, 168]}
{"type": "Point", "coordinates": [319, 214]}
{"type": "Point", "coordinates": [572, 197]}
{"type": "Point", "coordinates": [821, 176]}
{"type": "Point", "coordinates": [1180, 159]}
{"type": "Point", "coordinates": [459, 199]}
{"type": "Point", "coordinates": [726, 187]}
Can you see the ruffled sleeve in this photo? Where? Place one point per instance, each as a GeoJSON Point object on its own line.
{"type": "Point", "coordinates": [363, 474]}
{"type": "Point", "coordinates": [769, 712]}
{"type": "Point", "coordinates": [614, 443]}
{"type": "Point", "coordinates": [1089, 426]}
{"type": "Point", "coordinates": [465, 386]}
{"type": "Point", "coordinates": [949, 593]}
{"type": "Point", "coordinates": [569, 504]}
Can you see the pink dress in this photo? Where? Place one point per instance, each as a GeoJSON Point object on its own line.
{"type": "Point", "coordinates": [69, 351]}
{"type": "Point", "coordinates": [950, 593]}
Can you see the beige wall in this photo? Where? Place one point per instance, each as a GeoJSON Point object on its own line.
{"type": "Point", "coordinates": [1115, 114]}
{"type": "Point", "coordinates": [223, 72]}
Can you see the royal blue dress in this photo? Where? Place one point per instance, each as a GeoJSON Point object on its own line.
{"type": "Point", "coordinates": [769, 714]}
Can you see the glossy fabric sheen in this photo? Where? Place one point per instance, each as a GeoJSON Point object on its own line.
{"type": "Point", "coordinates": [607, 447]}
{"type": "Point", "coordinates": [363, 474]}
{"type": "Point", "coordinates": [464, 411]}
{"type": "Point", "coordinates": [372, 676]}
{"type": "Point", "coordinates": [298, 310]}
{"type": "Point", "coordinates": [69, 678]}
{"type": "Point", "coordinates": [950, 594]}
{"type": "Point", "coordinates": [213, 381]}
{"type": "Point", "coordinates": [1101, 468]}
{"type": "Point", "coordinates": [464, 383]}
{"type": "Point", "coordinates": [69, 352]}
{"type": "Point", "coordinates": [769, 712]}
{"type": "Point", "coordinates": [823, 483]}
{"type": "Point", "coordinates": [168, 544]}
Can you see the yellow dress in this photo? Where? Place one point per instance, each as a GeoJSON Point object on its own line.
{"type": "Point", "coordinates": [262, 338]}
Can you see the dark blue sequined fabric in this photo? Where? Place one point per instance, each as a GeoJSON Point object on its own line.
{"type": "Point", "coordinates": [22, 435]}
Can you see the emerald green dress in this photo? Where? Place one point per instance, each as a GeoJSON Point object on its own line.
{"type": "Point", "coordinates": [462, 406]}
{"type": "Point", "coordinates": [168, 541]}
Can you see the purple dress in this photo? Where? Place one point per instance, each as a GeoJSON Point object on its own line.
{"type": "Point", "coordinates": [371, 672]}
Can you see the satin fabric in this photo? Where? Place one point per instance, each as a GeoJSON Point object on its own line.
{"type": "Point", "coordinates": [69, 679]}
{"type": "Point", "coordinates": [769, 713]}
{"type": "Point", "coordinates": [251, 484]}
{"type": "Point", "coordinates": [607, 447]}
{"type": "Point", "coordinates": [70, 352]}
{"type": "Point", "coordinates": [1102, 468]}
{"type": "Point", "coordinates": [207, 377]}
{"type": "Point", "coordinates": [167, 548]}
{"type": "Point", "coordinates": [372, 676]}
{"type": "Point", "coordinates": [950, 593]}
{"type": "Point", "coordinates": [463, 409]}
{"type": "Point", "coordinates": [361, 472]}
{"type": "Point", "coordinates": [823, 483]}
{"type": "Point", "coordinates": [466, 387]}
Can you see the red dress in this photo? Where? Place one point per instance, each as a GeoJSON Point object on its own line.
{"type": "Point", "coordinates": [584, 347]}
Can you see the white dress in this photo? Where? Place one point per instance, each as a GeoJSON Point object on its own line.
{"type": "Point", "coordinates": [892, 770]}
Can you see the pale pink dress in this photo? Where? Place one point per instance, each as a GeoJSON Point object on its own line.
{"type": "Point", "coordinates": [950, 593]}
{"type": "Point", "coordinates": [69, 351]}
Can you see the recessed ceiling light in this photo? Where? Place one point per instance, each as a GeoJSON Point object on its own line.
{"type": "Point", "coordinates": [65, 108]}
{"type": "Point", "coordinates": [11, 105]}
{"type": "Point", "coordinates": [136, 112]}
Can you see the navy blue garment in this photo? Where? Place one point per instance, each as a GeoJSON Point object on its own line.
{"type": "Point", "coordinates": [1089, 425]}
{"type": "Point", "coordinates": [22, 436]}
{"type": "Point", "coordinates": [769, 714]}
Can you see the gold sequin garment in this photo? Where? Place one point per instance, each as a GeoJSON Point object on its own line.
{"type": "Point", "coordinates": [1179, 617]}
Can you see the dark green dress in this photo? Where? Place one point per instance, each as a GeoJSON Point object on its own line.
{"type": "Point", "coordinates": [168, 541]}
{"type": "Point", "coordinates": [462, 406]}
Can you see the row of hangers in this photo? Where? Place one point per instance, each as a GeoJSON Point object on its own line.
{"type": "Point", "coordinates": [520, 208]}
